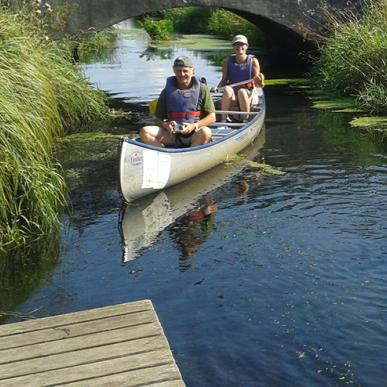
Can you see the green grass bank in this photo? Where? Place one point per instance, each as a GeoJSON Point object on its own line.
{"type": "Point", "coordinates": [353, 64]}
{"type": "Point", "coordinates": [42, 96]}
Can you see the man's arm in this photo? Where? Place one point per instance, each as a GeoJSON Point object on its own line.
{"type": "Point", "coordinates": [207, 108]}
{"type": "Point", "coordinates": [161, 113]}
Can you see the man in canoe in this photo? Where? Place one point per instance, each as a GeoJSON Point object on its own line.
{"type": "Point", "coordinates": [237, 68]}
{"type": "Point", "coordinates": [184, 110]}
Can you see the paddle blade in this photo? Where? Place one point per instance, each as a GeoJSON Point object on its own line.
{"type": "Point", "coordinates": [152, 107]}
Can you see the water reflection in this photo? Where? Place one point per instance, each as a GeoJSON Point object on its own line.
{"type": "Point", "coordinates": [151, 53]}
{"type": "Point", "coordinates": [191, 230]}
{"type": "Point", "coordinates": [22, 271]}
{"type": "Point", "coordinates": [142, 221]}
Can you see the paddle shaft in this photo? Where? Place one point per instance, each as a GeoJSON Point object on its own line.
{"type": "Point", "coordinates": [236, 84]}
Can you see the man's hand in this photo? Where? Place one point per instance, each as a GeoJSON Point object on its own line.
{"type": "Point", "coordinates": [188, 128]}
{"type": "Point", "coordinates": [168, 126]}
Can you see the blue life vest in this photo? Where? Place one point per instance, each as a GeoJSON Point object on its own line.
{"type": "Point", "coordinates": [238, 72]}
{"type": "Point", "coordinates": [182, 105]}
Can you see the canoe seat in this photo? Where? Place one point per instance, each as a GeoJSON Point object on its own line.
{"type": "Point", "coordinates": [221, 131]}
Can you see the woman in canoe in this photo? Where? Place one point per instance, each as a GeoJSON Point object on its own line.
{"type": "Point", "coordinates": [237, 68]}
{"type": "Point", "coordinates": [184, 111]}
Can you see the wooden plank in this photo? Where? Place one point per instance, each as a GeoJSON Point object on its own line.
{"type": "Point", "coordinates": [79, 343]}
{"type": "Point", "coordinates": [92, 370]}
{"type": "Point", "coordinates": [166, 377]}
{"type": "Point", "coordinates": [71, 318]}
{"type": "Point", "coordinates": [67, 359]}
{"type": "Point", "coordinates": [121, 345]}
{"type": "Point", "coordinates": [74, 330]}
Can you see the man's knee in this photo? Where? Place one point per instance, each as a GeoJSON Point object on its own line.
{"type": "Point", "coordinates": [147, 131]}
{"type": "Point", "coordinates": [143, 132]}
{"type": "Point", "coordinates": [205, 134]}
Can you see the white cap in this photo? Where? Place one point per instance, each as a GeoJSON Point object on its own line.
{"type": "Point", "coordinates": [239, 39]}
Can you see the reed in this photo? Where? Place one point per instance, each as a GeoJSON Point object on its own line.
{"type": "Point", "coordinates": [353, 60]}
{"type": "Point", "coordinates": [42, 96]}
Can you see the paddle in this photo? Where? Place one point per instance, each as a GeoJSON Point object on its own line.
{"type": "Point", "coordinates": [220, 89]}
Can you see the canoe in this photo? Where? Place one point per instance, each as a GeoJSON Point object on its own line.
{"type": "Point", "coordinates": [141, 224]}
{"type": "Point", "coordinates": [145, 169]}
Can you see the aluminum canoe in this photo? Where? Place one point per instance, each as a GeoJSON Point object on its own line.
{"type": "Point", "coordinates": [146, 169]}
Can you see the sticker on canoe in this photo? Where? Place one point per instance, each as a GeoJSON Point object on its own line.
{"type": "Point", "coordinates": [136, 159]}
{"type": "Point", "coordinates": [157, 167]}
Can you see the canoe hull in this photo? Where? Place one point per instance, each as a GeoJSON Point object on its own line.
{"type": "Point", "coordinates": [145, 169]}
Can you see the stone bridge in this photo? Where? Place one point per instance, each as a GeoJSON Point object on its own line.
{"type": "Point", "coordinates": [291, 25]}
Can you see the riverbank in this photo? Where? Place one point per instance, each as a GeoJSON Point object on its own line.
{"type": "Point", "coordinates": [351, 73]}
{"type": "Point", "coordinates": [42, 97]}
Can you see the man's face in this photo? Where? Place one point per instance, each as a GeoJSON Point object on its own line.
{"type": "Point", "coordinates": [183, 76]}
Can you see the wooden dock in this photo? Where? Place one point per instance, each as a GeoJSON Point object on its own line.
{"type": "Point", "coordinates": [122, 345]}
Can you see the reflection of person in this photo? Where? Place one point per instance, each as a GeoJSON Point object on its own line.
{"type": "Point", "coordinates": [237, 68]}
{"type": "Point", "coordinates": [184, 110]}
{"type": "Point", "coordinates": [192, 229]}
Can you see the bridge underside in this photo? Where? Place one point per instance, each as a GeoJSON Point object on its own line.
{"type": "Point", "coordinates": [284, 22]}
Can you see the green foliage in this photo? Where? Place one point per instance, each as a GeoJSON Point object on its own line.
{"type": "Point", "coordinates": [353, 61]}
{"type": "Point", "coordinates": [97, 46]}
{"type": "Point", "coordinates": [373, 97]}
{"type": "Point", "coordinates": [190, 20]}
{"type": "Point", "coordinates": [226, 24]}
{"type": "Point", "coordinates": [157, 29]}
{"type": "Point", "coordinates": [42, 96]}
{"type": "Point", "coordinates": [200, 20]}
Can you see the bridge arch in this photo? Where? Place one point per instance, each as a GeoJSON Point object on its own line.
{"type": "Point", "coordinates": [290, 24]}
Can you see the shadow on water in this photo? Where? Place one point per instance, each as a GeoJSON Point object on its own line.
{"type": "Point", "coordinates": [23, 271]}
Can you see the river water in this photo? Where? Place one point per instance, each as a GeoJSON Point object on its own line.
{"type": "Point", "coordinates": [258, 280]}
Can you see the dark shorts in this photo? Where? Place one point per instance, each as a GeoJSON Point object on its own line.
{"type": "Point", "coordinates": [183, 141]}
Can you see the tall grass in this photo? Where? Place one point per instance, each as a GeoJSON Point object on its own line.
{"type": "Point", "coordinates": [42, 96]}
{"type": "Point", "coordinates": [354, 59]}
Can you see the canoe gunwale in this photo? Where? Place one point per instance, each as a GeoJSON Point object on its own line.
{"type": "Point", "coordinates": [190, 149]}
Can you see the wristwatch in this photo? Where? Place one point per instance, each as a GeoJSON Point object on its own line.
{"type": "Point", "coordinates": [196, 124]}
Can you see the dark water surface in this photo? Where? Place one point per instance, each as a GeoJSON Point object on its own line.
{"type": "Point", "coordinates": [258, 280]}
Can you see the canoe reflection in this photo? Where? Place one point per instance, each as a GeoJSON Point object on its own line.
{"type": "Point", "coordinates": [188, 206]}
